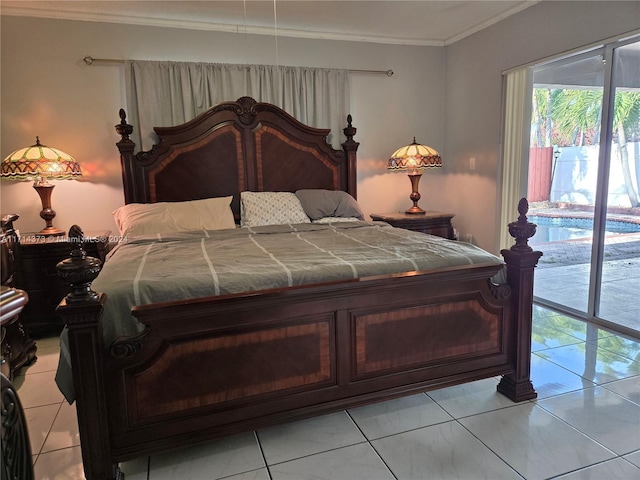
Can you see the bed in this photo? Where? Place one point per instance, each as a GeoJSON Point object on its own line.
{"type": "Point", "coordinates": [214, 364]}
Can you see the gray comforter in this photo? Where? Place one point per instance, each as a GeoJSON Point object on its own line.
{"type": "Point", "coordinates": [159, 269]}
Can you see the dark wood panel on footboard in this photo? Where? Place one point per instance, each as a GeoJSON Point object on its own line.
{"type": "Point", "coordinates": [286, 354]}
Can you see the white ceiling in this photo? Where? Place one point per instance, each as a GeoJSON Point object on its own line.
{"type": "Point", "coordinates": [417, 22]}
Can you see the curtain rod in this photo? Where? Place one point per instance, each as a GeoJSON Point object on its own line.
{"type": "Point", "coordinates": [90, 61]}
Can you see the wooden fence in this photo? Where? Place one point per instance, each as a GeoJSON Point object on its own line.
{"type": "Point", "coordinates": [540, 174]}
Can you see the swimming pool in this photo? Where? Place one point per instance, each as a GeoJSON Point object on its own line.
{"type": "Point", "coordinates": [555, 229]}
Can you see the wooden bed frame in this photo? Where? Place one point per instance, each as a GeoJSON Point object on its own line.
{"type": "Point", "coordinates": [282, 354]}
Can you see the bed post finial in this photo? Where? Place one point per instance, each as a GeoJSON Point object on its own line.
{"type": "Point", "coordinates": [522, 230]}
{"type": "Point", "coordinates": [79, 270]}
{"type": "Point", "coordinates": [349, 130]}
{"type": "Point", "coordinates": [123, 128]}
{"type": "Point", "coordinates": [350, 148]}
{"type": "Point", "coordinates": [126, 146]}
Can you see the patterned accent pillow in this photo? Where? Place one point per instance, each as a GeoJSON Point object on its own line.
{"type": "Point", "coordinates": [270, 208]}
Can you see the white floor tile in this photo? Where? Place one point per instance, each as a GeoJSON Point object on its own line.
{"type": "Point", "coordinates": [577, 328]}
{"type": "Point", "coordinates": [63, 464]}
{"type": "Point", "coordinates": [47, 361]}
{"type": "Point", "coordinates": [356, 462]}
{"type": "Point", "coordinates": [307, 437]}
{"type": "Point", "coordinates": [534, 442]}
{"type": "Point", "coordinates": [64, 432]}
{"type": "Point", "coordinates": [261, 474]}
{"type": "Point", "coordinates": [616, 469]}
{"type": "Point", "coordinates": [398, 415]}
{"type": "Point", "coordinates": [544, 335]}
{"type": "Point", "coordinates": [137, 469]}
{"type": "Point", "coordinates": [623, 346]}
{"type": "Point", "coordinates": [38, 389]}
{"type": "Point", "coordinates": [633, 458]}
{"type": "Point", "coordinates": [550, 379]}
{"type": "Point", "coordinates": [595, 364]}
{"type": "Point", "coordinates": [48, 342]}
{"type": "Point", "coordinates": [629, 388]}
{"type": "Point", "coordinates": [471, 398]}
{"type": "Point", "coordinates": [221, 458]}
{"type": "Point", "coordinates": [604, 416]}
{"type": "Point", "coordinates": [547, 334]}
{"type": "Point", "coordinates": [443, 451]}
{"type": "Point", "coordinates": [39, 421]}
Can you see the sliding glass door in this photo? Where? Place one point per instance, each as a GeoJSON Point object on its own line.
{"type": "Point", "coordinates": [616, 297]}
{"type": "Point", "coordinates": [583, 178]}
{"type": "Point", "coordinates": [563, 172]}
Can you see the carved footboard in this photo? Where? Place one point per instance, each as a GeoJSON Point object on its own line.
{"type": "Point", "coordinates": [211, 367]}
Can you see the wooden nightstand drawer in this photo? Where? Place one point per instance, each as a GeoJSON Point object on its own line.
{"type": "Point", "coordinates": [433, 223]}
{"type": "Point", "coordinates": [39, 273]}
{"type": "Point", "coordinates": [37, 258]}
{"type": "Point", "coordinates": [40, 307]}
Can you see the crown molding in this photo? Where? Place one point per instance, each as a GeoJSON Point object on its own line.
{"type": "Point", "coordinates": [491, 21]}
{"type": "Point", "coordinates": [214, 27]}
{"type": "Point", "coordinates": [25, 11]}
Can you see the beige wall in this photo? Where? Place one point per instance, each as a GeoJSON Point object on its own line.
{"type": "Point", "coordinates": [48, 91]}
{"type": "Point", "coordinates": [448, 97]}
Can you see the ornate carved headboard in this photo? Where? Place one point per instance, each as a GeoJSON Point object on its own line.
{"type": "Point", "coordinates": [233, 147]}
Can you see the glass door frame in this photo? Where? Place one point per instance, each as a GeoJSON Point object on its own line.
{"type": "Point", "coordinates": [602, 190]}
{"type": "Point", "coordinates": [602, 184]}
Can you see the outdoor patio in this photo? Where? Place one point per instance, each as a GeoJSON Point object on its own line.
{"type": "Point", "coordinates": [562, 275]}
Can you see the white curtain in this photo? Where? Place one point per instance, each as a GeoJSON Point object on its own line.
{"type": "Point", "coordinates": [515, 148]}
{"type": "Point", "coordinates": [162, 94]}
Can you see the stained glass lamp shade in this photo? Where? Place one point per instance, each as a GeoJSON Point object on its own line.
{"type": "Point", "coordinates": [414, 159]}
{"type": "Point", "coordinates": [41, 164]}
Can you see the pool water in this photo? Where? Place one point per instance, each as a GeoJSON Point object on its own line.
{"type": "Point", "coordinates": [556, 229]}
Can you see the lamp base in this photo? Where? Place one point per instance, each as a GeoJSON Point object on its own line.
{"type": "Point", "coordinates": [415, 195]}
{"type": "Point", "coordinates": [45, 190]}
{"type": "Point", "coordinates": [51, 232]}
{"type": "Point", "coordinates": [415, 210]}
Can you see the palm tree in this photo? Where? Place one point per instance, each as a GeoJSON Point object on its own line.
{"type": "Point", "coordinates": [544, 105]}
{"type": "Point", "coordinates": [577, 113]}
{"type": "Point", "coordinates": [626, 118]}
{"type": "Point", "coordinates": [572, 117]}
{"type": "Point", "coordinates": [542, 108]}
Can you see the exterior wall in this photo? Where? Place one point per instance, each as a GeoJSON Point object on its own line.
{"type": "Point", "coordinates": [575, 175]}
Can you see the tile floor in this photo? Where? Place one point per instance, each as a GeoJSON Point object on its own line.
{"type": "Point", "coordinates": [585, 424]}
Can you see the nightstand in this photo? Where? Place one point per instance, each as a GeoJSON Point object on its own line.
{"type": "Point", "coordinates": [434, 223]}
{"type": "Point", "coordinates": [37, 275]}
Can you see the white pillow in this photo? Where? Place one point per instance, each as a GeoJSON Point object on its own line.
{"type": "Point", "coordinates": [270, 208]}
{"type": "Point", "coordinates": [174, 217]}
